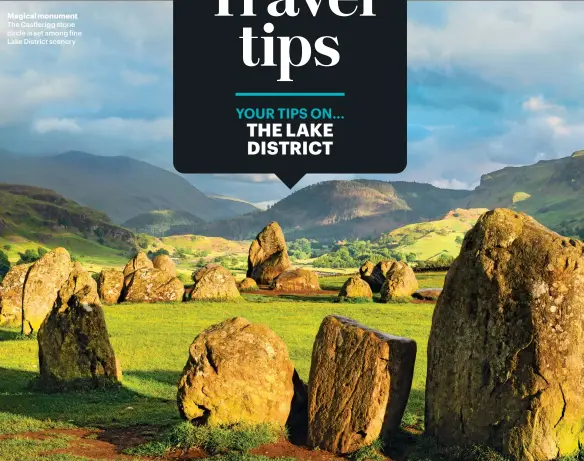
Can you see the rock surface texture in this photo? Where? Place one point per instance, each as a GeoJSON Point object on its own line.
{"type": "Point", "coordinates": [268, 255]}
{"type": "Point", "coordinates": [237, 372]}
{"type": "Point", "coordinates": [360, 381]}
{"type": "Point", "coordinates": [506, 349]}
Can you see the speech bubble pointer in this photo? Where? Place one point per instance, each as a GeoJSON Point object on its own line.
{"type": "Point", "coordinates": [290, 179]}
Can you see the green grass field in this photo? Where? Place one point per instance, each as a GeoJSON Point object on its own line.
{"type": "Point", "coordinates": [152, 340]}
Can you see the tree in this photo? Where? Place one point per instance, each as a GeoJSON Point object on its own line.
{"type": "Point", "coordinates": [28, 257]}
{"type": "Point", "coordinates": [8, 247]}
{"type": "Point", "coordinates": [41, 252]}
{"type": "Point", "coordinates": [4, 264]}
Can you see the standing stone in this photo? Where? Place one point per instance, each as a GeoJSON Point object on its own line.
{"type": "Point", "coordinates": [247, 284]}
{"type": "Point", "coordinates": [506, 348]}
{"type": "Point", "coordinates": [366, 270]}
{"type": "Point", "coordinates": [237, 372]}
{"type": "Point", "coordinates": [140, 261]}
{"type": "Point", "coordinates": [214, 283]}
{"type": "Point", "coordinates": [165, 263]}
{"type": "Point", "coordinates": [400, 282]}
{"type": "Point", "coordinates": [110, 286]}
{"type": "Point", "coordinates": [356, 287]}
{"type": "Point", "coordinates": [268, 255]}
{"type": "Point", "coordinates": [375, 276]}
{"type": "Point", "coordinates": [296, 280]}
{"type": "Point", "coordinates": [12, 292]}
{"type": "Point", "coordinates": [74, 345]}
{"type": "Point", "coordinates": [44, 279]}
{"type": "Point", "coordinates": [152, 286]}
{"type": "Point", "coordinates": [360, 381]}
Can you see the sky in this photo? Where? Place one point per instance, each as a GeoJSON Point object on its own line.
{"type": "Point", "coordinates": [490, 84]}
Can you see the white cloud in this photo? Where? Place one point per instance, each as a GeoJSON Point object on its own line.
{"type": "Point", "coordinates": [134, 129]}
{"type": "Point", "coordinates": [47, 125]}
{"type": "Point", "coordinates": [510, 43]}
{"type": "Point", "coordinates": [538, 104]}
{"type": "Point", "coordinates": [114, 127]}
{"type": "Point", "coordinates": [139, 78]}
{"type": "Point", "coordinates": [452, 184]}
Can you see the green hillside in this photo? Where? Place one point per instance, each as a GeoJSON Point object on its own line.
{"type": "Point", "coordinates": [121, 187]}
{"type": "Point", "coordinates": [551, 191]}
{"type": "Point", "coordinates": [31, 217]}
{"type": "Point", "coordinates": [429, 240]}
{"type": "Point", "coordinates": [159, 222]}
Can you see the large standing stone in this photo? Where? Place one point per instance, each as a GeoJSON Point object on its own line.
{"type": "Point", "coordinates": [214, 283]}
{"type": "Point", "coordinates": [74, 345]}
{"type": "Point", "coordinates": [44, 279]}
{"type": "Point", "coordinates": [152, 286]}
{"type": "Point", "coordinates": [296, 280]}
{"type": "Point", "coordinates": [110, 286]}
{"type": "Point", "coordinates": [400, 282]}
{"type": "Point", "coordinates": [375, 276]}
{"type": "Point", "coordinates": [360, 381]}
{"type": "Point", "coordinates": [355, 287]}
{"type": "Point", "coordinates": [506, 349]}
{"type": "Point", "coordinates": [268, 255]}
{"type": "Point", "coordinates": [12, 293]}
{"type": "Point", "coordinates": [140, 261]}
{"type": "Point", "coordinates": [165, 263]}
{"type": "Point", "coordinates": [237, 372]}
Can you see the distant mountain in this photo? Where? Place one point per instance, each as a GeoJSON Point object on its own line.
{"type": "Point", "coordinates": [238, 206]}
{"type": "Point", "coordinates": [158, 222]}
{"type": "Point", "coordinates": [552, 191]}
{"type": "Point", "coordinates": [31, 217]}
{"type": "Point", "coordinates": [335, 210]}
{"type": "Point", "coordinates": [121, 187]}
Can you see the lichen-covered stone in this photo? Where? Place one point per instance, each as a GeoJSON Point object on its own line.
{"type": "Point", "coordinates": [400, 282]}
{"type": "Point", "coordinates": [140, 261]}
{"type": "Point", "coordinates": [296, 280]}
{"type": "Point", "coordinates": [110, 286]}
{"type": "Point", "coordinates": [74, 345]}
{"type": "Point", "coordinates": [214, 283]}
{"type": "Point", "coordinates": [356, 287]}
{"type": "Point", "coordinates": [506, 349]}
{"type": "Point", "coordinates": [268, 255]}
{"type": "Point", "coordinates": [43, 282]}
{"type": "Point", "coordinates": [152, 286]}
{"type": "Point", "coordinates": [366, 270]}
{"type": "Point", "coordinates": [247, 284]}
{"type": "Point", "coordinates": [360, 381]}
{"type": "Point", "coordinates": [12, 291]}
{"type": "Point", "coordinates": [428, 294]}
{"type": "Point", "coordinates": [165, 263]}
{"type": "Point", "coordinates": [237, 372]}
{"type": "Point", "coordinates": [375, 276]}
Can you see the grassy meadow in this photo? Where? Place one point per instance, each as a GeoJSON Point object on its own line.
{"type": "Point", "coordinates": [152, 340]}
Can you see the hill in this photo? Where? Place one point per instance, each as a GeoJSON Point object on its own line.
{"type": "Point", "coordinates": [551, 191]}
{"type": "Point", "coordinates": [121, 187]}
{"type": "Point", "coordinates": [335, 210]}
{"type": "Point", "coordinates": [430, 240]}
{"type": "Point", "coordinates": [238, 206]}
{"type": "Point", "coordinates": [31, 217]}
{"type": "Point", "coordinates": [158, 222]}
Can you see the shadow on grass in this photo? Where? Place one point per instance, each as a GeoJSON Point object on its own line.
{"type": "Point", "coordinates": [102, 408]}
{"type": "Point", "coordinates": [308, 298]}
{"type": "Point", "coordinates": [167, 377]}
{"type": "Point", "coordinates": [13, 335]}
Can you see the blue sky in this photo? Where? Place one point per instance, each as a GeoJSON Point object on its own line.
{"type": "Point", "coordinates": [490, 84]}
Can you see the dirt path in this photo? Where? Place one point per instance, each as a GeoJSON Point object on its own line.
{"type": "Point", "coordinates": [109, 444]}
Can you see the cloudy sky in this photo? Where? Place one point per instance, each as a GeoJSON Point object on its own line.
{"type": "Point", "coordinates": [490, 84]}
